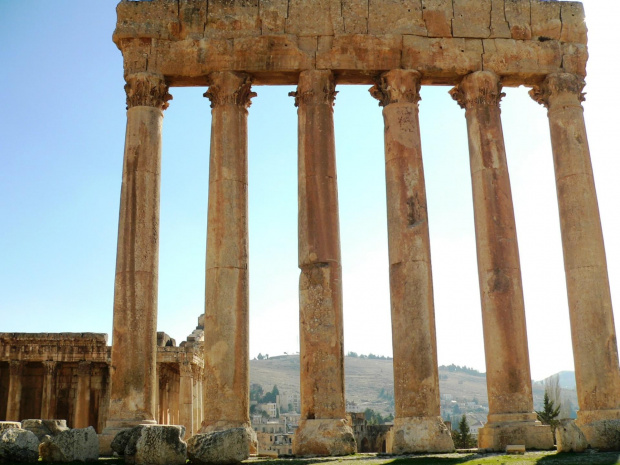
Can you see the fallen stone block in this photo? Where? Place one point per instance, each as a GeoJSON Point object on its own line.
{"type": "Point", "coordinates": [19, 445]}
{"type": "Point", "coordinates": [119, 443]}
{"type": "Point", "coordinates": [4, 425]}
{"type": "Point", "coordinates": [222, 447]}
{"type": "Point", "coordinates": [569, 437]}
{"type": "Point", "coordinates": [42, 428]}
{"type": "Point", "coordinates": [154, 445]}
{"type": "Point", "coordinates": [74, 445]}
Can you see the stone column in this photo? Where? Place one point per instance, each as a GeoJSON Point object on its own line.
{"type": "Point", "coordinates": [418, 426]}
{"type": "Point", "coordinates": [226, 397]}
{"type": "Point", "coordinates": [16, 369]}
{"type": "Point", "coordinates": [48, 407]}
{"type": "Point", "coordinates": [134, 345]}
{"type": "Point", "coordinates": [511, 419]}
{"type": "Point", "coordinates": [322, 429]}
{"type": "Point", "coordinates": [592, 323]}
{"type": "Point", "coordinates": [82, 401]}
{"type": "Point", "coordinates": [186, 414]}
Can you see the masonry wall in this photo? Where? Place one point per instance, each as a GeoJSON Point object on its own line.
{"type": "Point", "coordinates": [520, 40]}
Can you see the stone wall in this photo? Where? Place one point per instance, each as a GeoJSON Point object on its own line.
{"type": "Point", "coordinates": [520, 40]}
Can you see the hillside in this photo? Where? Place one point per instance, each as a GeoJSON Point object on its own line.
{"type": "Point", "coordinates": [366, 378]}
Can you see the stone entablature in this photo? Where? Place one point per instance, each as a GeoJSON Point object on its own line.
{"type": "Point", "coordinates": [522, 41]}
{"type": "Point", "coordinates": [58, 347]}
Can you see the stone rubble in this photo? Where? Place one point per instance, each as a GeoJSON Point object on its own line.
{"type": "Point", "coordinates": [73, 445]}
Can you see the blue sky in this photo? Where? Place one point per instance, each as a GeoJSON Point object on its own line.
{"type": "Point", "coordinates": [62, 125]}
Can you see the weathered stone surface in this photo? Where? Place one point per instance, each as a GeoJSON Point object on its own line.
{"type": "Point", "coordinates": [43, 428]}
{"type": "Point", "coordinates": [546, 20]}
{"type": "Point", "coordinates": [518, 15]}
{"type": "Point", "coordinates": [569, 437]}
{"type": "Point", "coordinates": [18, 445]}
{"type": "Point", "coordinates": [228, 20]}
{"type": "Point", "coordinates": [152, 445]}
{"type": "Point", "coordinates": [222, 447]}
{"type": "Point", "coordinates": [5, 425]}
{"type": "Point", "coordinates": [396, 17]}
{"type": "Point", "coordinates": [324, 437]}
{"type": "Point", "coordinates": [426, 434]}
{"type": "Point", "coordinates": [601, 434]}
{"type": "Point", "coordinates": [442, 58]}
{"type": "Point", "coordinates": [74, 445]}
{"type": "Point", "coordinates": [573, 23]}
{"type": "Point", "coordinates": [499, 26]}
{"type": "Point", "coordinates": [496, 435]}
{"type": "Point", "coordinates": [519, 57]}
{"type": "Point", "coordinates": [355, 16]}
{"type": "Point", "coordinates": [438, 16]}
{"type": "Point", "coordinates": [472, 18]}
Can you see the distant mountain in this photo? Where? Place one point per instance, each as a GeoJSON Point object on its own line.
{"type": "Point", "coordinates": [369, 383]}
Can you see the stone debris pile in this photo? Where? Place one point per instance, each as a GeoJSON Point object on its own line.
{"type": "Point", "coordinates": [51, 440]}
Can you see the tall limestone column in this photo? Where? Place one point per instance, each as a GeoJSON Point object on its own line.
{"type": "Point", "coordinates": [134, 346]}
{"type": "Point", "coordinates": [226, 395]}
{"type": "Point", "coordinates": [418, 426]}
{"type": "Point", "coordinates": [592, 323]}
{"type": "Point", "coordinates": [14, 398]}
{"type": "Point", "coordinates": [48, 405]}
{"type": "Point", "coordinates": [322, 429]}
{"type": "Point", "coordinates": [186, 380]}
{"type": "Point", "coordinates": [82, 404]}
{"type": "Point", "coordinates": [511, 418]}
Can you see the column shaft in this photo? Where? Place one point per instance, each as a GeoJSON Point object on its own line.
{"type": "Point", "coordinates": [320, 284]}
{"type": "Point", "coordinates": [186, 416]}
{"type": "Point", "coordinates": [16, 368]}
{"type": "Point", "coordinates": [134, 334]}
{"type": "Point", "coordinates": [592, 324]}
{"type": "Point", "coordinates": [226, 326]}
{"type": "Point", "coordinates": [47, 401]}
{"type": "Point", "coordinates": [82, 404]}
{"type": "Point", "coordinates": [503, 313]}
{"type": "Point", "coordinates": [416, 378]}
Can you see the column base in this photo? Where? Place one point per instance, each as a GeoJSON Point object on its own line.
{"type": "Point", "coordinates": [324, 437]}
{"type": "Point", "coordinates": [412, 435]}
{"type": "Point", "coordinates": [112, 428]}
{"type": "Point", "coordinates": [502, 430]}
{"type": "Point", "coordinates": [601, 428]}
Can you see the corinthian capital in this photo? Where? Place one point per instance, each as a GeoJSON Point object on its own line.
{"type": "Point", "coordinates": [147, 90]}
{"type": "Point", "coordinates": [480, 88]}
{"type": "Point", "coordinates": [556, 85]}
{"type": "Point", "coordinates": [397, 86]}
{"type": "Point", "coordinates": [315, 87]}
{"type": "Point", "coordinates": [230, 88]}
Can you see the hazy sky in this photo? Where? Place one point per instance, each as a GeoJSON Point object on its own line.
{"type": "Point", "coordinates": [62, 128]}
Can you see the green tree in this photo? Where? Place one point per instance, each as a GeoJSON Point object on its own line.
{"type": "Point", "coordinates": [462, 437]}
{"type": "Point", "coordinates": [549, 414]}
{"type": "Point", "coordinates": [256, 392]}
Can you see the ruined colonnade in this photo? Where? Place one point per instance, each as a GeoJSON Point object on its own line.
{"type": "Point", "coordinates": [304, 51]}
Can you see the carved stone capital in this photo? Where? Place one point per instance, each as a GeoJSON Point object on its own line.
{"type": "Point", "coordinates": [83, 368]}
{"type": "Point", "coordinates": [185, 369]}
{"type": "Point", "coordinates": [315, 87]}
{"type": "Point", "coordinates": [568, 85]}
{"type": "Point", "coordinates": [478, 89]}
{"type": "Point", "coordinates": [397, 86]}
{"type": "Point", "coordinates": [147, 90]}
{"type": "Point", "coordinates": [49, 367]}
{"type": "Point", "coordinates": [230, 88]}
{"type": "Point", "coordinates": [16, 367]}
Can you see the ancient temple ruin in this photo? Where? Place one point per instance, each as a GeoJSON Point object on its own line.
{"type": "Point", "coordinates": [232, 48]}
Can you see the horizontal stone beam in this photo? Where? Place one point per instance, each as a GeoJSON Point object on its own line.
{"type": "Point", "coordinates": [354, 59]}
